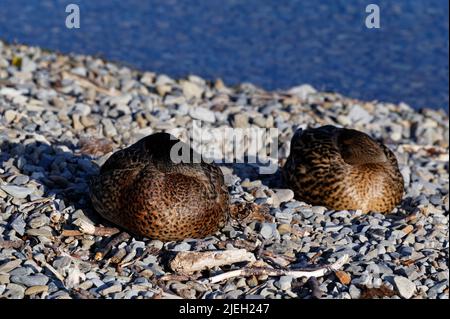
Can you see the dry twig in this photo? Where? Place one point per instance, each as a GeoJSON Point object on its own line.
{"type": "Point", "coordinates": [88, 228]}
{"type": "Point", "coordinates": [245, 272]}
{"type": "Point", "coordinates": [191, 261]}
{"type": "Point", "coordinates": [101, 253]}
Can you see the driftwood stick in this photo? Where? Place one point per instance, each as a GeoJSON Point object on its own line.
{"type": "Point", "coordinates": [87, 228]}
{"type": "Point", "coordinates": [257, 271]}
{"type": "Point", "coordinates": [102, 252]}
{"type": "Point", "coordinates": [71, 233]}
{"type": "Point", "coordinates": [88, 84]}
{"type": "Point", "coordinates": [51, 269]}
{"type": "Point", "coordinates": [431, 148]}
{"type": "Point", "coordinates": [175, 277]}
{"type": "Point", "coordinates": [191, 261]}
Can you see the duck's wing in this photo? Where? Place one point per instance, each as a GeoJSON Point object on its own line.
{"type": "Point", "coordinates": [208, 175]}
{"type": "Point", "coordinates": [129, 158]}
{"type": "Point", "coordinates": [313, 145]}
{"type": "Point", "coordinates": [357, 147]}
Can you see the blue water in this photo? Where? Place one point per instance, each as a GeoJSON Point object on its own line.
{"type": "Point", "coordinates": [275, 44]}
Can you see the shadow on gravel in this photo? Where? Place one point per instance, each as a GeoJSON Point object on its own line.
{"type": "Point", "coordinates": [253, 172]}
{"type": "Point", "coordinates": [61, 170]}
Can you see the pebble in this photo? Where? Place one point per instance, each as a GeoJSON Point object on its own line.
{"type": "Point", "coordinates": [16, 191]}
{"type": "Point", "coordinates": [284, 195]}
{"type": "Point", "coordinates": [284, 229]}
{"type": "Point", "coordinates": [267, 230]}
{"type": "Point", "coordinates": [109, 128]}
{"type": "Point", "coordinates": [202, 114]}
{"type": "Point", "coordinates": [14, 291]}
{"type": "Point", "coordinates": [354, 292]}
{"type": "Point", "coordinates": [19, 225]}
{"type": "Point", "coordinates": [191, 90]}
{"type": "Point", "coordinates": [182, 247]}
{"type": "Point", "coordinates": [307, 213]}
{"type": "Point", "coordinates": [438, 288]}
{"type": "Point", "coordinates": [359, 115]}
{"type": "Point", "coordinates": [111, 289]}
{"type": "Point", "coordinates": [30, 280]}
{"type": "Point", "coordinates": [10, 116]}
{"type": "Point", "coordinates": [302, 91]}
{"type": "Point", "coordinates": [284, 283]}
{"type": "Point", "coordinates": [10, 265]}
{"type": "Point", "coordinates": [240, 120]}
{"type": "Point", "coordinates": [35, 290]}
{"type": "Point", "coordinates": [404, 286]}
{"type": "Point", "coordinates": [39, 221]}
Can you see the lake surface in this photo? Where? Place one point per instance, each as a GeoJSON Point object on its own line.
{"type": "Point", "coordinates": [275, 44]}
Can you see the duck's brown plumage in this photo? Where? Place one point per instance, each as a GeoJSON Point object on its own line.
{"type": "Point", "coordinates": [140, 189]}
{"type": "Point", "coordinates": [343, 169]}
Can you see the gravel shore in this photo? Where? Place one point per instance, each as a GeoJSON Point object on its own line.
{"type": "Point", "coordinates": [62, 116]}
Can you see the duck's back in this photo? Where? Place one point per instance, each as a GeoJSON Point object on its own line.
{"type": "Point", "coordinates": [343, 169]}
{"type": "Point", "coordinates": [142, 190]}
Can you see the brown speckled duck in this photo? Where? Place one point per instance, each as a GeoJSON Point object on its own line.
{"type": "Point", "coordinates": [343, 169]}
{"type": "Point", "coordinates": [140, 189]}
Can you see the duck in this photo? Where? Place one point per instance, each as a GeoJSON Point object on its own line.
{"type": "Point", "coordinates": [142, 190]}
{"type": "Point", "coordinates": [343, 169]}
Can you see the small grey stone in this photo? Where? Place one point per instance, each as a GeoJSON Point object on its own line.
{"type": "Point", "coordinates": [44, 232]}
{"type": "Point", "coordinates": [354, 292]}
{"type": "Point", "coordinates": [17, 191]}
{"type": "Point", "coordinates": [30, 280]}
{"type": "Point", "coordinates": [377, 282]}
{"type": "Point", "coordinates": [21, 271]}
{"type": "Point", "coordinates": [19, 225]}
{"type": "Point", "coordinates": [284, 283]}
{"type": "Point", "coordinates": [359, 115]}
{"type": "Point", "coordinates": [284, 195]}
{"type": "Point", "coordinates": [404, 286]}
{"type": "Point", "coordinates": [333, 228]}
{"type": "Point", "coordinates": [10, 265]}
{"type": "Point", "coordinates": [14, 291]}
{"type": "Point", "coordinates": [240, 120]}
{"type": "Point", "coordinates": [21, 180]}
{"type": "Point", "coordinates": [109, 128]}
{"type": "Point", "coordinates": [443, 276]}
{"type": "Point", "coordinates": [184, 246]}
{"type": "Point", "coordinates": [62, 263]}
{"type": "Point", "coordinates": [97, 282]}
{"type": "Point", "coordinates": [150, 259]}
{"type": "Point", "coordinates": [267, 230]}
{"type": "Point", "coordinates": [438, 288]}
{"type": "Point", "coordinates": [302, 91]}
{"type": "Point", "coordinates": [307, 213]}
{"type": "Point", "coordinates": [319, 210]}
{"type": "Point", "coordinates": [202, 114]}
{"type": "Point", "coordinates": [39, 221]}
{"type": "Point", "coordinates": [341, 214]}
{"type": "Point", "coordinates": [284, 216]}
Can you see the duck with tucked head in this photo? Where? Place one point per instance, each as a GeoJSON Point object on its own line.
{"type": "Point", "coordinates": [343, 169]}
{"type": "Point", "coordinates": [148, 192]}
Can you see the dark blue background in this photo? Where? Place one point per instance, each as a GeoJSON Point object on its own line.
{"type": "Point", "coordinates": [272, 43]}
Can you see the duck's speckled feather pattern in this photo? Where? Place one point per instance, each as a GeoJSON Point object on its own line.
{"type": "Point", "coordinates": [343, 169]}
{"type": "Point", "coordinates": [140, 189]}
